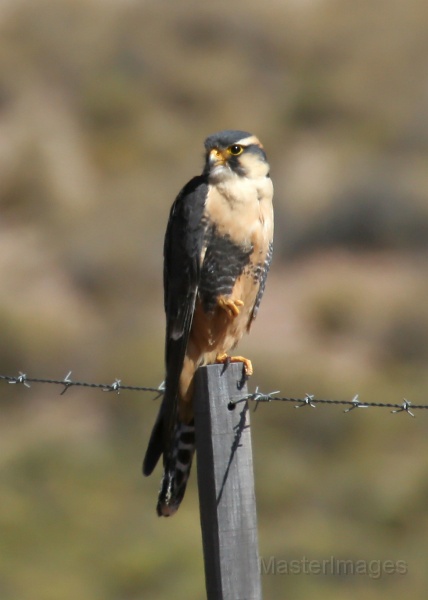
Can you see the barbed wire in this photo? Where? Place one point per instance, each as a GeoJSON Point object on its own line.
{"type": "Point", "coordinates": [310, 401]}
{"type": "Point", "coordinates": [258, 397]}
{"type": "Point", "coordinates": [67, 383]}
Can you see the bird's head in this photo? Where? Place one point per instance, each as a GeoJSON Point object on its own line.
{"type": "Point", "coordinates": [234, 153]}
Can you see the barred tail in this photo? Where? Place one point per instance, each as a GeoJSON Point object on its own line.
{"type": "Point", "coordinates": [176, 470]}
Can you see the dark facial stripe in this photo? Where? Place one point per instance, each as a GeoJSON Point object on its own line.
{"type": "Point", "coordinates": [255, 149]}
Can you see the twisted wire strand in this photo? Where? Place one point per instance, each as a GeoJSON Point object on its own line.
{"type": "Point", "coordinates": [258, 397]}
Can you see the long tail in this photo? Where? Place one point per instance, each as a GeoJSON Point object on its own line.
{"type": "Point", "coordinates": [176, 470]}
{"type": "Point", "coordinates": [177, 462]}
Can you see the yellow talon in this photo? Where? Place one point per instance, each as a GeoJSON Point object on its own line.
{"type": "Point", "coordinates": [224, 358]}
{"type": "Point", "coordinates": [230, 306]}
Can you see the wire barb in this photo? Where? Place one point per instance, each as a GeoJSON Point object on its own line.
{"type": "Point", "coordinates": [114, 387]}
{"type": "Point", "coordinates": [256, 397]}
{"type": "Point", "coordinates": [355, 404]}
{"type": "Point", "coordinates": [405, 407]}
{"type": "Point", "coordinates": [307, 401]}
{"type": "Point", "coordinates": [67, 383]}
{"type": "Point", "coordinates": [22, 378]}
{"type": "Point", "coordinates": [160, 391]}
{"type": "Point", "coordinates": [260, 397]}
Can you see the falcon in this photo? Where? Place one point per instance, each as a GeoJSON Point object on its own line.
{"type": "Point", "coordinates": [217, 253]}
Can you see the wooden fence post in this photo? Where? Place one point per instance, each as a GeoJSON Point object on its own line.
{"type": "Point", "coordinates": [226, 485]}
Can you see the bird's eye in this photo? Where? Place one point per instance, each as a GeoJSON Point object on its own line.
{"type": "Point", "coordinates": [236, 150]}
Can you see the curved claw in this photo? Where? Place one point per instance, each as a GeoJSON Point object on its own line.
{"type": "Point", "coordinates": [225, 359]}
{"type": "Point", "coordinates": [231, 306]}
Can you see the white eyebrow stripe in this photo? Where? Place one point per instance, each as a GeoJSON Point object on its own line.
{"type": "Point", "coordinates": [250, 140]}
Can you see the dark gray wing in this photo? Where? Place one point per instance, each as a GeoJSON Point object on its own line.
{"type": "Point", "coordinates": [183, 245]}
{"type": "Point", "coordinates": [184, 240]}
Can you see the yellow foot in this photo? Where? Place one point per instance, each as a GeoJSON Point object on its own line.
{"type": "Point", "coordinates": [225, 359]}
{"type": "Point", "coordinates": [230, 306]}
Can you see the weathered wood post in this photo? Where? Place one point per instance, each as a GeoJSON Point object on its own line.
{"type": "Point", "coordinates": [226, 485]}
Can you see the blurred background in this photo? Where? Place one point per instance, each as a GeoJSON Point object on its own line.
{"type": "Point", "coordinates": [104, 107]}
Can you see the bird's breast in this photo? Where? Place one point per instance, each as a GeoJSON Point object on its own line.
{"type": "Point", "coordinates": [241, 208]}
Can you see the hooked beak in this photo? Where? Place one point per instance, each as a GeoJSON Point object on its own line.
{"type": "Point", "coordinates": [216, 158]}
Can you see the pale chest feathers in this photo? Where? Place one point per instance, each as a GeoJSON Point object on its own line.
{"type": "Point", "coordinates": [241, 208]}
